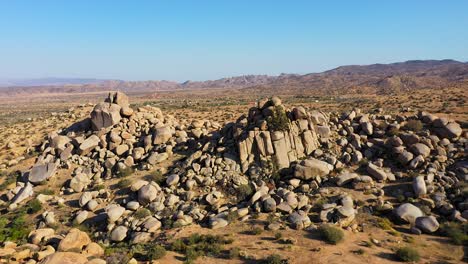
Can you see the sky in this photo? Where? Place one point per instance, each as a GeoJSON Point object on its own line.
{"type": "Point", "coordinates": [201, 40]}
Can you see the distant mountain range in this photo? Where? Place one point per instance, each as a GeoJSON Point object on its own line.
{"type": "Point", "coordinates": [47, 81]}
{"type": "Point", "coordinates": [380, 78]}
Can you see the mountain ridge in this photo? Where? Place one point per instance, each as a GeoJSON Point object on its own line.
{"type": "Point", "coordinates": [382, 78]}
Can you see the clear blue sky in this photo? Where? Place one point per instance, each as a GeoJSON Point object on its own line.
{"type": "Point", "coordinates": [197, 40]}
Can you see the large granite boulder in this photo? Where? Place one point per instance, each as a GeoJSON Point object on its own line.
{"type": "Point", "coordinates": [105, 115]}
{"type": "Point", "coordinates": [41, 172]}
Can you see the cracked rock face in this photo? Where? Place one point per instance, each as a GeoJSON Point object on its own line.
{"type": "Point", "coordinates": [105, 115]}
{"type": "Point", "coordinates": [41, 172]}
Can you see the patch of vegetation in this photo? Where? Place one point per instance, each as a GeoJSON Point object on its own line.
{"type": "Point", "coordinates": [142, 213]}
{"type": "Point", "coordinates": [99, 187]}
{"type": "Point", "coordinates": [10, 178]}
{"type": "Point", "coordinates": [14, 227]}
{"type": "Point", "coordinates": [124, 172]}
{"type": "Point", "coordinates": [33, 206]}
{"type": "Point", "coordinates": [331, 234]}
{"type": "Point", "coordinates": [243, 192]}
{"type": "Point", "coordinates": [234, 253]}
{"type": "Point", "coordinates": [156, 176]}
{"type": "Point", "coordinates": [278, 235]}
{"type": "Point", "coordinates": [46, 192]}
{"type": "Point", "coordinates": [279, 121]}
{"type": "Point", "coordinates": [255, 231]}
{"type": "Point", "coordinates": [198, 245]}
{"type": "Point", "coordinates": [408, 254]}
{"type": "Point", "coordinates": [393, 132]}
{"type": "Point", "coordinates": [456, 231]}
{"type": "Point", "coordinates": [148, 252]}
{"type": "Point", "coordinates": [414, 125]}
{"type": "Point", "coordinates": [119, 253]}
{"type": "Point", "coordinates": [359, 251]}
{"type": "Point", "coordinates": [275, 259]}
{"type": "Point", "coordinates": [124, 183]}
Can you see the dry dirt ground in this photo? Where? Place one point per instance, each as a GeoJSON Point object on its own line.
{"type": "Point", "coordinates": [26, 121]}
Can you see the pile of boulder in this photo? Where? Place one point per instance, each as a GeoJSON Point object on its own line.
{"type": "Point", "coordinates": [275, 160]}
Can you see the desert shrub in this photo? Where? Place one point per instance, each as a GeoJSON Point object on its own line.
{"type": "Point", "coordinates": [124, 172]}
{"type": "Point", "coordinates": [331, 234]}
{"type": "Point", "coordinates": [124, 183]}
{"type": "Point", "coordinates": [279, 121]}
{"type": "Point", "coordinates": [274, 259]}
{"type": "Point", "coordinates": [408, 254]}
{"type": "Point", "coordinates": [393, 131]}
{"type": "Point", "coordinates": [232, 216]}
{"type": "Point", "coordinates": [414, 125]}
{"type": "Point", "coordinates": [10, 178]}
{"type": "Point", "coordinates": [234, 253]}
{"type": "Point", "coordinates": [255, 231]}
{"type": "Point", "coordinates": [46, 192]}
{"type": "Point", "coordinates": [243, 192]}
{"type": "Point", "coordinates": [99, 187]}
{"type": "Point", "coordinates": [14, 228]}
{"type": "Point", "coordinates": [156, 176]}
{"type": "Point", "coordinates": [278, 235]}
{"type": "Point", "coordinates": [359, 251]}
{"type": "Point", "coordinates": [385, 224]}
{"type": "Point", "coordinates": [141, 213]}
{"type": "Point", "coordinates": [117, 258]}
{"type": "Point", "coordinates": [456, 231]}
{"type": "Point", "coordinates": [198, 245]}
{"type": "Point", "coordinates": [148, 252]}
{"type": "Point", "coordinates": [34, 206]}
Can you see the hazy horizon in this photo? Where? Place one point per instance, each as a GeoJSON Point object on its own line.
{"type": "Point", "coordinates": [197, 41]}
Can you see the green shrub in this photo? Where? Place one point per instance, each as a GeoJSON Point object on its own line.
{"type": "Point", "coordinates": [359, 251]}
{"type": "Point", "coordinates": [414, 125]}
{"type": "Point", "coordinates": [243, 192]}
{"type": "Point", "coordinates": [256, 231]}
{"type": "Point", "coordinates": [14, 228]}
{"type": "Point", "coordinates": [148, 252]}
{"type": "Point", "coordinates": [234, 253]}
{"type": "Point", "coordinates": [278, 235]}
{"type": "Point", "coordinates": [47, 192]}
{"type": "Point", "coordinates": [124, 172]}
{"type": "Point", "coordinates": [198, 245]}
{"type": "Point", "coordinates": [34, 206]}
{"type": "Point", "coordinates": [156, 176]}
{"type": "Point", "coordinates": [274, 259]}
{"type": "Point", "coordinates": [279, 121]}
{"type": "Point", "coordinates": [331, 234]}
{"type": "Point", "coordinates": [142, 213]}
{"type": "Point", "coordinates": [408, 254]}
{"type": "Point", "coordinates": [124, 183]}
{"type": "Point", "coordinates": [99, 187]}
{"type": "Point", "coordinates": [457, 232]}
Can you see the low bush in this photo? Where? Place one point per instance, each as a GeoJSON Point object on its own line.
{"type": "Point", "coordinates": [156, 176]}
{"type": "Point", "coordinates": [457, 232]}
{"type": "Point", "coordinates": [256, 231]}
{"type": "Point", "coordinates": [124, 183]}
{"type": "Point", "coordinates": [234, 253]}
{"type": "Point", "coordinates": [279, 121]}
{"type": "Point", "coordinates": [124, 172]}
{"type": "Point", "coordinates": [278, 235]}
{"type": "Point", "coordinates": [275, 259]}
{"type": "Point", "coordinates": [414, 125]}
{"type": "Point", "coordinates": [243, 192]}
{"type": "Point", "coordinates": [198, 245]}
{"type": "Point", "coordinates": [141, 213]}
{"type": "Point", "coordinates": [331, 234]}
{"type": "Point", "coordinates": [33, 206]}
{"type": "Point", "coordinates": [148, 252]}
{"type": "Point", "coordinates": [408, 254]}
